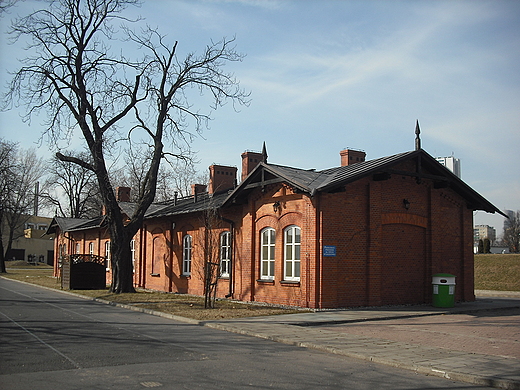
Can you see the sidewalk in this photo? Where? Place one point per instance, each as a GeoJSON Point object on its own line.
{"type": "Point", "coordinates": [323, 331]}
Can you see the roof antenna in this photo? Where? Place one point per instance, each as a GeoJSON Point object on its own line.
{"type": "Point", "coordinates": [264, 153]}
{"type": "Point", "coordinates": [417, 138]}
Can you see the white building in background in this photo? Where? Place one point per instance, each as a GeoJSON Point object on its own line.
{"type": "Point", "coordinates": [480, 232]}
{"type": "Point", "coordinates": [452, 163]}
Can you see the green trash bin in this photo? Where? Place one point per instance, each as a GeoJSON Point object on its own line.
{"type": "Point", "coordinates": [443, 290]}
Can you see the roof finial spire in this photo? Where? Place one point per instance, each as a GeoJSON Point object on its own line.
{"type": "Point", "coordinates": [417, 138]}
{"type": "Point", "coordinates": [264, 153]}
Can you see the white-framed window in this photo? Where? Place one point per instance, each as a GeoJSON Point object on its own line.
{"type": "Point", "coordinates": [107, 255]}
{"type": "Point", "coordinates": [90, 248]}
{"type": "Point", "coordinates": [78, 248]}
{"type": "Point", "coordinates": [267, 244]}
{"type": "Point", "coordinates": [132, 251]}
{"type": "Point", "coordinates": [292, 243]}
{"type": "Point", "coordinates": [63, 250]}
{"type": "Point", "coordinates": [186, 255]}
{"type": "Point", "coordinates": [225, 254]}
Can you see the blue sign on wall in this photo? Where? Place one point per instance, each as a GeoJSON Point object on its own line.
{"type": "Point", "coordinates": [329, 250]}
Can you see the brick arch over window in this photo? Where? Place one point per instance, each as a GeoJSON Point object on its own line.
{"type": "Point", "coordinates": [291, 218]}
{"type": "Point", "coordinates": [267, 220]}
{"type": "Point", "coordinates": [404, 218]}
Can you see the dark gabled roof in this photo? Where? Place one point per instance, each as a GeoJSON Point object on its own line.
{"type": "Point", "coordinates": [128, 208]}
{"type": "Point", "coordinates": [343, 175]}
{"type": "Point", "coordinates": [74, 224]}
{"type": "Point", "coordinates": [312, 181]}
{"type": "Point", "coordinates": [181, 206]}
{"type": "Point", "coordinates": [187, 205]}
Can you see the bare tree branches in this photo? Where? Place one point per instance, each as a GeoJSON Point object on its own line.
{"type": "Point", "coordinates": [72, 74]}
{"type": "Point", "coordinates": [78, 195]}
{"type": "Point", "coordinates": [20, 170]}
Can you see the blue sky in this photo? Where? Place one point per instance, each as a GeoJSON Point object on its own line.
{"type": "Point", "coordinates": [326, 75]}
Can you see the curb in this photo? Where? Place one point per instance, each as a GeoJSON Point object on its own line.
{"type": "Point", "coordinates": [480, 380]}
{"type": "Point", "coordinates": [116, 304]}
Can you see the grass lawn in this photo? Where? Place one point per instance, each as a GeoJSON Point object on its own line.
{"type": "Point", "coordinates": [178, 304]}
{"type": "Point", "coordinates": [497, 272]}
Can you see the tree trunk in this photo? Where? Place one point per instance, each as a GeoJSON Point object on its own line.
{"type": "Point", "coordinates": [121, 262]}
{"type": "Point", "coordinates": [2, 257]}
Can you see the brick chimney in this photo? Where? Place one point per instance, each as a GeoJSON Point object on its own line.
{"type": "Point", "coordinates": [249, 162]}
{"type": "Point", "coordinates": [198, 189]}
{"type": "Point", "coordinates": [221, 178]}
{"type": "Point", "coordinates": [350, 156]}
{"type": "Point", "coordinates": [123, 194]}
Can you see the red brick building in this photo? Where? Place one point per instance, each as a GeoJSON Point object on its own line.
{"type": "Point", "coordinates": [366, 233]}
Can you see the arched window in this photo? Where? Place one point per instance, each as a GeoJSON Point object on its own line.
{"type": "Point", "coordinates": [78, 248]}
{"type": "Point", "coordinates": [225, 254]}
{"type": "Point", "coordinates": [292, 242]}
{"type": "Point", "coordinates": [90, 248]}
{"type": "Point", "coordinates": [267, 243]}
{"type": "Point", "coordinates": [186, 255]}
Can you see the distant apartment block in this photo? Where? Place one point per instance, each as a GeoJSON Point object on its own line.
{"type": "Point", "coordinates": [481, 232]}
{"type": "Point", "coordinates": [452, 163]}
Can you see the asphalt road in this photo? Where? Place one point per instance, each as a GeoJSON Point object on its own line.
{"type": "Point", "coordinates": [51, 340]}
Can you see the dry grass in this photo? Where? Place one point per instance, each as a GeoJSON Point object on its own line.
{"type": "Point", "coordinates": [497, 272]}
{"type": "Point", "coordinates": [178, 304]}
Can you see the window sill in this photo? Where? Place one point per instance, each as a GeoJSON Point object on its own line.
{"type": "Point", "coordinates": [186, 276]}
{"type": "Point", "coordinates": [294, 283]}
{"type": "Point", "coordinates": [155, 275]}
{"type": "Point", "coordinates": [265, 281]}
{"type": "Point", "coordinates": [224, 277]}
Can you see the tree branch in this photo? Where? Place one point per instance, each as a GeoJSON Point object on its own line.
{"type": "Point", "coordinates": [75, 160]}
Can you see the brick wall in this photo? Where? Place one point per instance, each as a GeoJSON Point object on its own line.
{"type": "Point", "coordinates": [386, 249]}
{"type": "Point", "coordinates": [386, 253]}
{"type": "Point", "coordinates": [390, 237]}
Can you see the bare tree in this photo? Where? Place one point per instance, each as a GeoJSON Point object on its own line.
{"type": "Point", "coordinates": [20, 170]}
{"type": "Point", "coordinates": [7, 165]}
{"type": "Point", "coordinates": [73, 75]}
{"type": "Point", "coordinates": [211, 250]}
{"type": "Point", "coordinates": [73, 189]}
{"type": "Point", "coordinates": [182, 175]}
{"type": "Point", "coordinates": [512, 232]}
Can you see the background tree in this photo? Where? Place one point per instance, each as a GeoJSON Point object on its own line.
{"type": "Point", "coordinates": [20, 170]}
{"type": "Point", "coordinates": [486, 246]}
{"type": "Point", "coordinates": [178, 177]}
{"type": "Point", "coordinates": [512, 232]}
{"type": "Point", "coordinates": [72, 189]}
{"type": "Point", "coordinates": [480, 246]}
{"type": "Point", "coordinates": [72, 74]}
{"type": "Point", "coordinates": [7, 163]}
